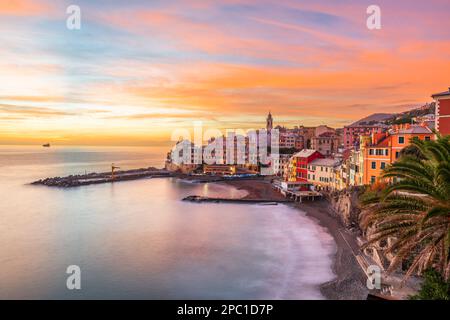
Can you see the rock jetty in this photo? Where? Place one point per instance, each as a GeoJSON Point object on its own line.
{"type": "Point", "coordinates": [104, 177]}
{"type": "Point", "coordinates": [233, 200]}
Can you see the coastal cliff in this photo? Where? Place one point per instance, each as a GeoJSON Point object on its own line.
{"type": "Point", "coordinates": [346, 206]}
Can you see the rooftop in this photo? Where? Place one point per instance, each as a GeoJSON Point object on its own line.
{"type": "Point", "coordinates": [327, 162]}
{"type": "Point", "coordinates": [411, 130]}
{"type": "Point", "coordinates": [326, 134]}
{"type": "Point", "coordinates": [382, 143]}
{"type": "Point", "coordinates": [441, 94]}
{"type": "Point", "coordinates": [305, 153]}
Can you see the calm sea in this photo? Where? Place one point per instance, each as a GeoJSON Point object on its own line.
{"type": "Point", "coordinates": [137, 239]}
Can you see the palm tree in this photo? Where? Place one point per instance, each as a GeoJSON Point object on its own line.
{"type": "Point", "coordinates": [413, 211]}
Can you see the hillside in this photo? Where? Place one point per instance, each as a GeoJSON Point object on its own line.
{"type": "Point", "coordinates": [396, 118]}
{"type": "Point", "coordinates": [373, 119]}
{"type": "Point", "coordinates": [407, 116]}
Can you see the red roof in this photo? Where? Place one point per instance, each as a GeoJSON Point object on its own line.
{"type": "Point", "coordinates": [383, 143]}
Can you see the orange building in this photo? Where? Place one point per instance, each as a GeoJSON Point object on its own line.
{"type": "Point", "coordinates": [442, 112]}
{"type": "Point", "coordinates": [381, 149]}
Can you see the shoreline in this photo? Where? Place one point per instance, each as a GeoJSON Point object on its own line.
{"type": "Point", "coordinates": [349, 282]}
{"type": "Point", "coordinates": [256, 189]}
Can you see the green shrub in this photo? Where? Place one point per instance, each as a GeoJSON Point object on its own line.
{"type": "Point", "coordinates": [434, 287]}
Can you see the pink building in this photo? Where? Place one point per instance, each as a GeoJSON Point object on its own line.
{"type": "Point", "coordinates": [357, 129]}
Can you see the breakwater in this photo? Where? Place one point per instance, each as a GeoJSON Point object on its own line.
{"type": "Point", "coordinates": [104, 177]}
{"type": "Point", "coordinates": [231, 200]}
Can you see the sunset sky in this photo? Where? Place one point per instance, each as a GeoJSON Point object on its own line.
{"type": "Point", "coordinates": [139, 69]}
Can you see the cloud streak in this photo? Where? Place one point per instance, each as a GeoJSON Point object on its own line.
{"type": "Point", "coordinates": [166, 63]}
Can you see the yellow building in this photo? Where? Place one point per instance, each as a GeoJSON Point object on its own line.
{"type": "Point", "coordinates": [321, 173]}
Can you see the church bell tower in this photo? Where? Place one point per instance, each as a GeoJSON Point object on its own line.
{"type": "Point", "coordinates": [269, 122]}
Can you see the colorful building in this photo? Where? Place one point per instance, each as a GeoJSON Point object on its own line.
{"type": "Point", "coordinates": [321, 172]}
{"type": "Point", "coordinates": [355, 172]}
{"type": "Point", "coordinates": [326, 143]}
{"type": "Point", "coordinates": [357, 129]}
{"type": "Point", "coordinates": [288, 139]}
{"type": "Point", "coordinates": [307, 133]}
{"type": "Point", "coordinates": [298, 164]}
{"type": "Point", "coordinates": [442, 112]}
{"type": "Point", "coordinates": [381, 149]}
{"type": "Point", "coordinates": [323, 129]}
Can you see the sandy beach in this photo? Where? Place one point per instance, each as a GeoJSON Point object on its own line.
{"type": "Point", "coordinates": [256, 189]}
{"type": "Point", "coordinates": [350, 280]}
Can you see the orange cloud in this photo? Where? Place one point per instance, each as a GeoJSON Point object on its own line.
{"type": "Point", "coordinates": [28, 111]}
{"type": "Point", "coordinates": [217, 74]}
{"type": "Point", "coordinates": [23, 7]}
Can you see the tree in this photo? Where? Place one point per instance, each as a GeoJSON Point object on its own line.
{"type": "Point", "coordinates": [434, 287]}
{"type": "Point", "coordinates": [413, 211]}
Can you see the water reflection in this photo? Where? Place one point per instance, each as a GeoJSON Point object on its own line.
{"type": "Point", "coordinates": [139, 240]}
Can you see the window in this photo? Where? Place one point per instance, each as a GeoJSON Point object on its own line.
{"type": "Point", "coordinates": [371, 152]}
{"type": "Point", "coordinates": [427, 138]}
{"type": "Point", "coordinates": [401, 140]}
{"type": "Point", "coordinates": [372, 179]}
{"type": "Point", "coordinates": [383, 165]}
{"type": "Point", "coordinates": [374, 165]}
{"type": "Point", "coordinates": [309, 176]}
{"type": "Point", "coordinates": [397, 154]}
{"type": "Point", "coordinates": [386, 152]}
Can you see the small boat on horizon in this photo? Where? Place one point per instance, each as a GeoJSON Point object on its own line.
{"type": "Point", "coordinates": [47, 145]}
